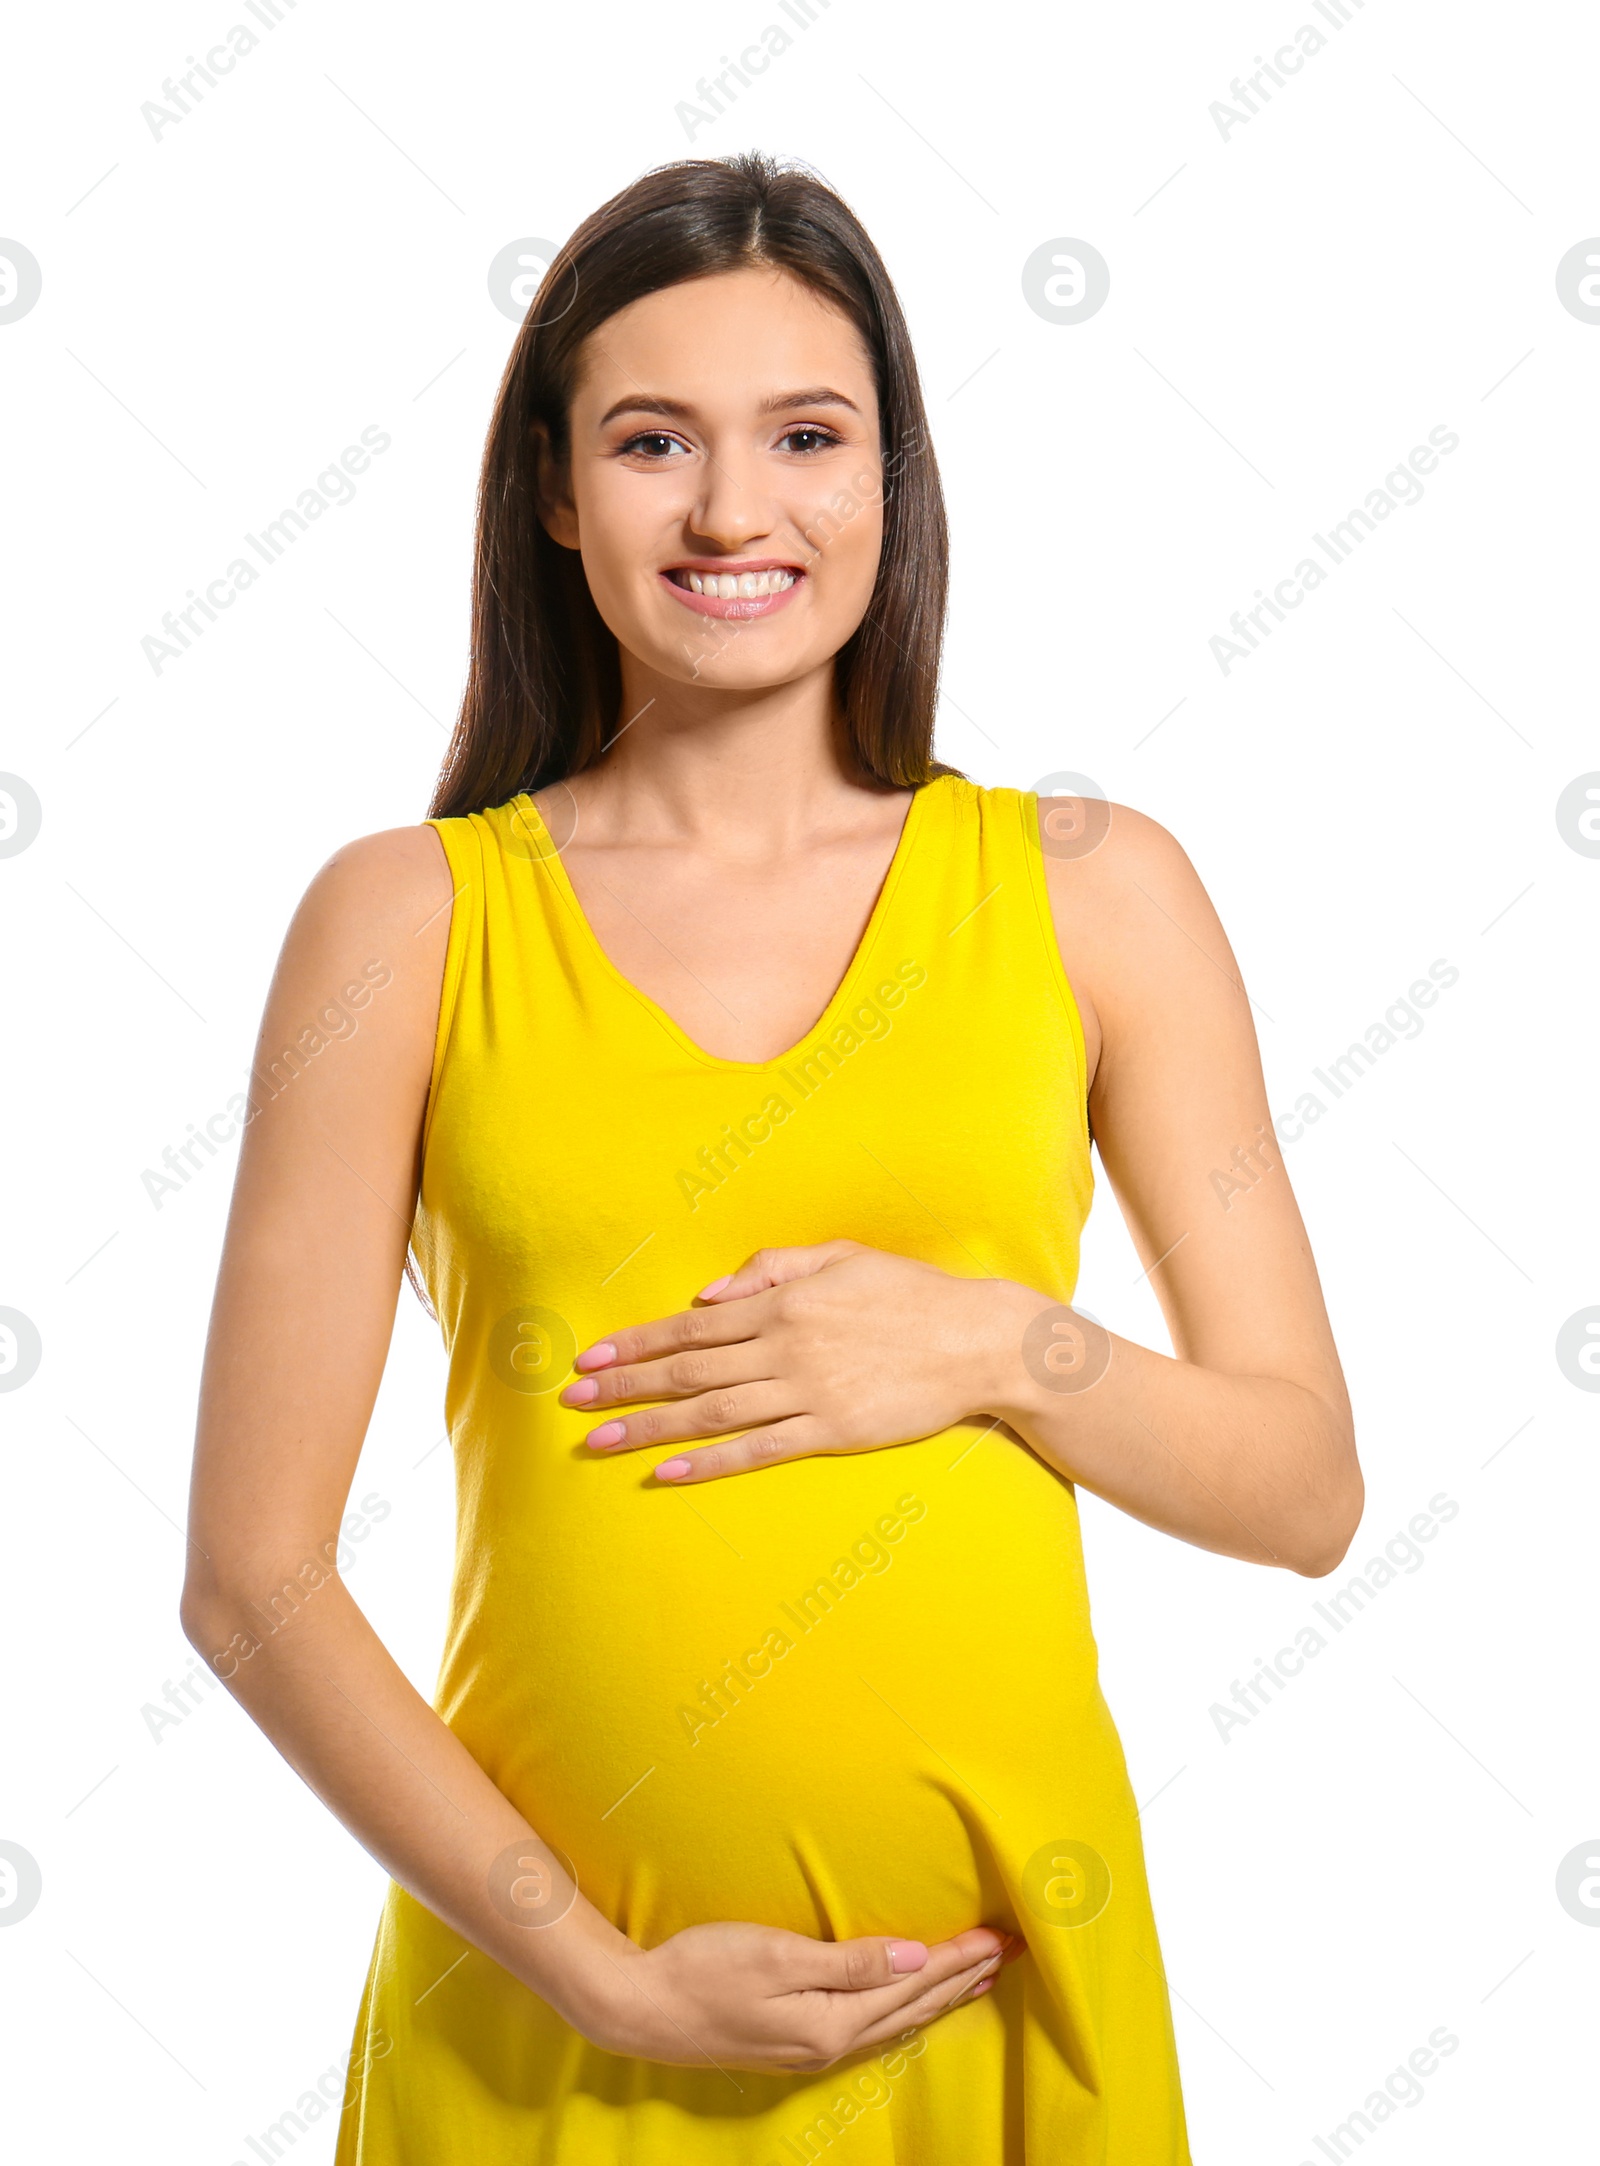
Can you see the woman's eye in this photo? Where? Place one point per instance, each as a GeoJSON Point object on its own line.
{"type": "Point", "coordinates": [821, 439]}
{"type": "Point", "coordinates": [653, 443]}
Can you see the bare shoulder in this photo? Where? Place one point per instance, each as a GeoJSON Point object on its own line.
{"type": "Point", "coordinates": [398, 873]}
{"type": "Point", "coordinates": [1132, 917]}
{"type": "Point", "coordinates": [390, 890]}
{"type": "Point", "coordinates": [375, 919]}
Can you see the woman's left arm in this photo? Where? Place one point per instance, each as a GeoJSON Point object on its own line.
{"type": "Point", "coordinates": [1240, 1442]}
{"type": "Point", "coordinates": [1244, 1442]}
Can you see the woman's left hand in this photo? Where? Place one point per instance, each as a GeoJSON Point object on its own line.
{"type": "Point", "coordinates": [837, 1348]}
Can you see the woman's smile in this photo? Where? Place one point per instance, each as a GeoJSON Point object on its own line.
{"type": "Point", "coordinates": [731, 587]}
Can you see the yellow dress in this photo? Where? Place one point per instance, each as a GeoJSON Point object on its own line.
{"type": "Point", "coordinates": [842, 1695]}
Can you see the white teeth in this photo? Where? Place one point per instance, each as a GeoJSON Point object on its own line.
{"type": "Point", "coordinates": [739, 586]}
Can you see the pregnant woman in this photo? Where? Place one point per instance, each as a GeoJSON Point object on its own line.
{"type": "Point", "coordinates": [728, 1065]}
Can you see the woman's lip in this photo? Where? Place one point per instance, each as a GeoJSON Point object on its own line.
{"type": "Point", "coordinates": [736, 605]}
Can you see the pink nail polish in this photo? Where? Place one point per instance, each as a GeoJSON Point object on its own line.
{"type": "Point", "coordinates": [670, 1469]}
{"type": "Point", "coordinates": [609, 1432]}
{"type": "Point", "coordinates": [596, 1357]}
{"type": "Point", "coordinates": [582, 1393]}
{"type": "Point", "coordinates": [907, 1955]}
{"type": "Point", "coordinates": [982, 1987]}
{"type": "Point", "coordinates": [716, 1286]}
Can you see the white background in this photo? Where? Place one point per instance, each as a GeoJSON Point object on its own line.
{"type": "Point", "coordinates": [1292, 308]}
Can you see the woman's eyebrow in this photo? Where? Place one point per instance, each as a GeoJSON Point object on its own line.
{"type": "Point", "coordinates": [781, 402]}
{"type": "Point", "coordinates": [818, 395]}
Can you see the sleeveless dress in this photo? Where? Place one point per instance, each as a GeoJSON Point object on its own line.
{"type": "Point", "coordinates": [845, 1696]}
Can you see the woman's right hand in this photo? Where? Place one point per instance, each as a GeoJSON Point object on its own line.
{"type": "Point", "coordinates": [757, 1997]}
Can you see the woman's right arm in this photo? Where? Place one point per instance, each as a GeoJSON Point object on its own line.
{"type": "Point", "coordinates": [300, 1329]}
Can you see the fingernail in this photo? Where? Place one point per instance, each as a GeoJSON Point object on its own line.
{"type": "Point", "coordinates": [907, 1954]}
{"type": "Point", "coordinates": [596, 1357]}
{"type": "Point", "coordinates": [583, 1393]}
{"type": "Point", "coordinates": [982, 1986]}
{"type": "Point", "coordinates": [670, 1469]}
{"type": "Point", "coordinates": [716, 1286]}
{"type": "Point", "coordinates": [609, 1432]}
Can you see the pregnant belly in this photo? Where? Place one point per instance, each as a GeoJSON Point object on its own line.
{"type": "Point", "coordinates": [843, 1696]}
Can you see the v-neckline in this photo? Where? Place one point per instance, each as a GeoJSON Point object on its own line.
{"type": "Point", "coordinates": [550, 858]}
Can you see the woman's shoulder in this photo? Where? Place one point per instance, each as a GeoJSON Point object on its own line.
{"type": "Point", "coordinates": [1106, 842]}
{"type": "Point", "coordinates": [1138, 933]}
{"type": "Point", "coordinates": [390, 873]}
{"type": "Point", "coordinates": [384, 896]}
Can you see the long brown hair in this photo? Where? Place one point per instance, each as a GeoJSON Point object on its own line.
{"type": "Point", "coordinates": [544, 684]}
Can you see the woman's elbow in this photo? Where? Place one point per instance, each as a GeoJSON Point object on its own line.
{"type": "Point", "coordinates": [1326, 1534]}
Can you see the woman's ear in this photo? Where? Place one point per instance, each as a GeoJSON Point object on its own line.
{"type": "Point", "coordinates": [558, 515]}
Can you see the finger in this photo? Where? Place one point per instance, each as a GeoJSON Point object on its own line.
{"type": "Point", "coordinates": [673, 1376]}
{"type": "Point", "coordinates": [859, 1966]}
{"type": "Point", "coordinates": [920, 2006]}
{"type": "Point", "coordinates": [710, 1413]}
{"type": "Point", "coordinates": [775, 1267]}
{"type": "Point", "coordinates": [802, 1436]}
{"type": "Point", "coordinates": [680, 1332]}
{"type": "Point", "coordinates": [851, 1966]}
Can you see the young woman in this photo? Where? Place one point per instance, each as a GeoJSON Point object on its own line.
{"type": "Point", "coordinates": [729, 1065]}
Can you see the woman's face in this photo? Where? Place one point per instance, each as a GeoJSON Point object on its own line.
{"type": "Point", "coordinates": [725, 482]}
